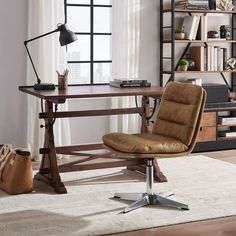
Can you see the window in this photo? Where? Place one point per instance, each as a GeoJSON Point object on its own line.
{"type": "Point", "coordinates": [89, 58]}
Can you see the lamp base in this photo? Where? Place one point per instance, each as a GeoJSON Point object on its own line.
{"type": "Point", "coordinates": [44, 86]}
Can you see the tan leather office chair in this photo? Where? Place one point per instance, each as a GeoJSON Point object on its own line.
{"type": "Point", "coordinates": [174, 134]}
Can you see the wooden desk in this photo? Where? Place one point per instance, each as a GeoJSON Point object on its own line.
{"type": "Point", "coordinates": [49, 169]}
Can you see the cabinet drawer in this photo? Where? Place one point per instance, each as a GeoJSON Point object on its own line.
{"type": "Point", "coordinates": [207, 134]}
{"type": "Point", "coordinates": [208, 119]}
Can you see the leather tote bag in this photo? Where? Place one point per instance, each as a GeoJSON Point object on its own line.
{"type": "Point", "coordinates": [15, 170]}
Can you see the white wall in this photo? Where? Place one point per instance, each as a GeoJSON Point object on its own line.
{"type": "Point", "coordinates": [13, 15]}
{"type": "Point", "coordinates": [13, 18]}
{"type": "Point", "coordinates": [149, 40]}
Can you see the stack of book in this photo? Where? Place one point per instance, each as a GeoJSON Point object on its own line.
{"type": "Point", "coordinates": [192, 4]}
{"type": "Point", "coordinates": [124, 83]}
{"type": "Point", "coordinates": [227, 121]}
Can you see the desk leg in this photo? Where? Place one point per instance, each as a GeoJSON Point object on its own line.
{"type": "Point", "coordinates": [48, 171]}
{"type": "Point", "coordinates": [158, 175]}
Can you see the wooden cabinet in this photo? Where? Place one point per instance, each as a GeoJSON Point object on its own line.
{"type": "Point", "coordinates": [208, 127]}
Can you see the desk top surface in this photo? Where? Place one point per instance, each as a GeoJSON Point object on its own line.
{"type": "Point", "coordinates": [91, 91]}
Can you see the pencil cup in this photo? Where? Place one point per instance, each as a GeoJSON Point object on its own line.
{"type": "Point", "coordinates": [62, 82]}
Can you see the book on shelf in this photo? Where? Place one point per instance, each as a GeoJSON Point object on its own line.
{"type": "Point", "coordinates": [219, 61]}
{"type": "Point", "coordinates": [205, 58]}
{"type": "Point", "coordinates": [192, 4]}
{"type": "Point", "coordinates": [214, 59]}
{"type": "Point", "coordinates": [212, 4]}
{"type": "Point", "coordinates": [129, 85]}
{"type": "Point", "coordinates": [198, 2]}
{"type": "Point", "coordinates": [196, 26]}
{"type": "Point", "coordinates": [224, 58]}
{"type": "Point", "coordinates": [211, 58]}
{"type": "Point", "coordinates": [190, 25]}
{"type": "Point", "coordinates": [197, 54]}
{"type": "Point", "coordinates": [202, 28]}
{"type": "Point", "coordinates": [227, 120]}
{"type": "Point", "coordinates": [227, 133]}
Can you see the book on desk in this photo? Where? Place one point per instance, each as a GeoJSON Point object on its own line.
{"type": "Point", "coordinates": [123, 83]}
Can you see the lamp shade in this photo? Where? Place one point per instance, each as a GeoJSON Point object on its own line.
{"type": "Point", "coordinates": [66, 35]}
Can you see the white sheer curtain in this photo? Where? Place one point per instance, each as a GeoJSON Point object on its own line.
{"type": "Point", "coordinates": [48, 56]}
{"type": "Point", "coordinates": [125, 58]}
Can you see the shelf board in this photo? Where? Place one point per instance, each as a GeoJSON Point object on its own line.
{"type": "Point", "coordinates": [200, 41]}
{"type": "Point", "coordinates": [199, 11]}
{"type": "Point", "coordinates": [226, 138]}
{"type": "Point", "coordinates": [199, 72]}
{"type": "Point", "coordinates": [221, 106]}
{"type": "Point", "coordinates": [228, 125]}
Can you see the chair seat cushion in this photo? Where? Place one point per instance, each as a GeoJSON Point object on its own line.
{"type": "Point", "coordinates": [143, 143]}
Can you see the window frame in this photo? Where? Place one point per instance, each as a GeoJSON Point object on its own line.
{"type": "Point", "coordinates": [91, 62]}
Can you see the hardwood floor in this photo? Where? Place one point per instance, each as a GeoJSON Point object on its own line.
{"type": "Point", "coordinates": [217, 227]}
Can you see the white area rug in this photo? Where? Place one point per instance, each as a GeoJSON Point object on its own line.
{"type": "Point", "coordinates": [207, 185]}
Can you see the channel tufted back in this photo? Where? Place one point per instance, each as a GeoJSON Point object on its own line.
{"type": "Point", "coordinates": [178, 111]}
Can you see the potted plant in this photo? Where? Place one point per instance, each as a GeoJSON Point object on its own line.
{"type": "Point", "coordinates": [179, 33]}
{"type": "Point", "coordinates": [183, 65]}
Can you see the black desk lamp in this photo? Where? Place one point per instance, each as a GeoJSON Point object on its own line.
{"type": "Point", "coordinates": [66, 37]}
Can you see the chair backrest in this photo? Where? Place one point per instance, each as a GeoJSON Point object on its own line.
{"type": "Point", "coordinates": [180, 112]}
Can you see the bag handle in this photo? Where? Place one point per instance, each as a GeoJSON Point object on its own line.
{"type": "Point", "coordinates": [5, 154]}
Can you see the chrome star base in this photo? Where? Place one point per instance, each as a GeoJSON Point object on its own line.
{"type": "Point", "coordinates": [149, 198]}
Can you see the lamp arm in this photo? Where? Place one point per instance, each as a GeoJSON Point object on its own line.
{"type": "Point", "coordinates": [40, 36]}
{"type": "Point", "coordinates": [27, 50]}
{"type": "Point", "coordinates": [32, 63]}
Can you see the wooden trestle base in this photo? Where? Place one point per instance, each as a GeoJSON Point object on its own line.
{"type": "Point", "coordinates": [49, 172]}
{"type": "Point", "coordinates": [58, 186]}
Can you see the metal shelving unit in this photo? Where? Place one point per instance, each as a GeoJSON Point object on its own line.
{"type": "Point", "coordinates": [169, 74]}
